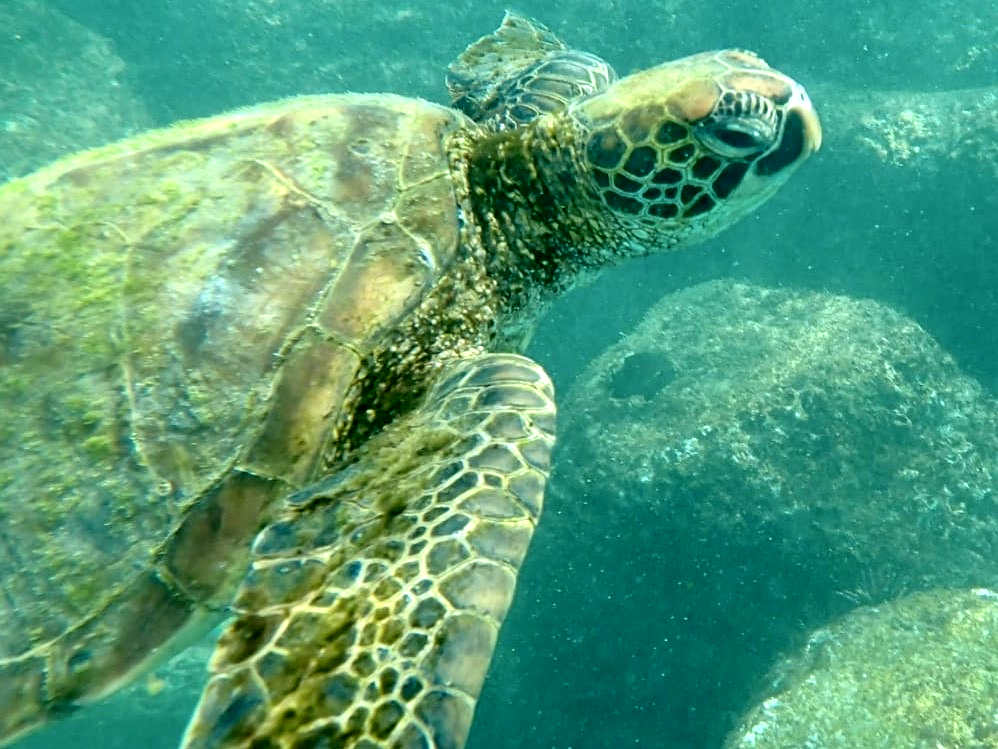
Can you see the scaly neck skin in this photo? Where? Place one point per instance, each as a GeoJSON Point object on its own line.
{"type": "Point", "coordinates": [537, 222]}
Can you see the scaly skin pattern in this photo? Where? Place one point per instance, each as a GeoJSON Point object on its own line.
{"type": "Point", "coordinates": [630, 172]}
{"type": "Point", "coordinates": [521, 71]}
{"type": "Point", "coordinates": [353, 631]}
{"type": "Point", "coordinates": [280, 319]}
{"type": "Point", "coordinates": [374, 602]}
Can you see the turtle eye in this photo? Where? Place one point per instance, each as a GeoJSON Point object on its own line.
{"type": "Point", "coordinates": [737, 137]}
{"type": "Point", "coordinates": [742, 125]}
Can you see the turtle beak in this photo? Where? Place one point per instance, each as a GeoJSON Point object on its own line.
{"type": "Point", "coordinates": [801, 104]}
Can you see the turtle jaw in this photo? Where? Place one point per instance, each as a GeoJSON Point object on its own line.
{"type": "Point", "coordinates": [798, 137]}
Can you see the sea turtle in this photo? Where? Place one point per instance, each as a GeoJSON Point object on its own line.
{"type": "Point", "coordinates": [264, 366]}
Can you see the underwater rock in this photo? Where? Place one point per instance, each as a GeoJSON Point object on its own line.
{"type": "Point", "coordinates": [822, 421]}
{"type": "Point", "coordinates": [746, 465]}
{"type": "Point", "coordinates": [931, 131]}
{"type": "Point", "coordinates": [916, 672]}
{"type": "Point", "coordinates": [61, 89]}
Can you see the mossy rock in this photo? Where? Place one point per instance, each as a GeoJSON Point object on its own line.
{"type": "Point", "coordinates": [918, 672]}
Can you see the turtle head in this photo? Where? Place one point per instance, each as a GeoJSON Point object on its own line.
{"type": "Point", "coordinates": [682, 150]}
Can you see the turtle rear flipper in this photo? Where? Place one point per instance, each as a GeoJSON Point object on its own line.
{"type": "Point", "coordinates": [521, 71]}
{"type": "Point", "coordinates": [373, 604]}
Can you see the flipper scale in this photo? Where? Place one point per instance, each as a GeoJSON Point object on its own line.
{"type": "Point", "coordinates": [373, 604]}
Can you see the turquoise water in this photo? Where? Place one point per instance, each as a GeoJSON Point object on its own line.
{"type": "Point", "coordinates": [899, 207]}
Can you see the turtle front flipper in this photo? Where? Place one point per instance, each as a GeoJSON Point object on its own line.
{"type": "Point", "coordinates": [521, 71]}
{"type": "Point", "coordinates": [372, 606]}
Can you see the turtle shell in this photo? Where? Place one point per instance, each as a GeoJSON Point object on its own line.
{"type": "Point", "coordinates": [181, 315]}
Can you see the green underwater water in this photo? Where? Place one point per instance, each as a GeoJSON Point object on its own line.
{"type": "Point", "coordinates": [624, 631]}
